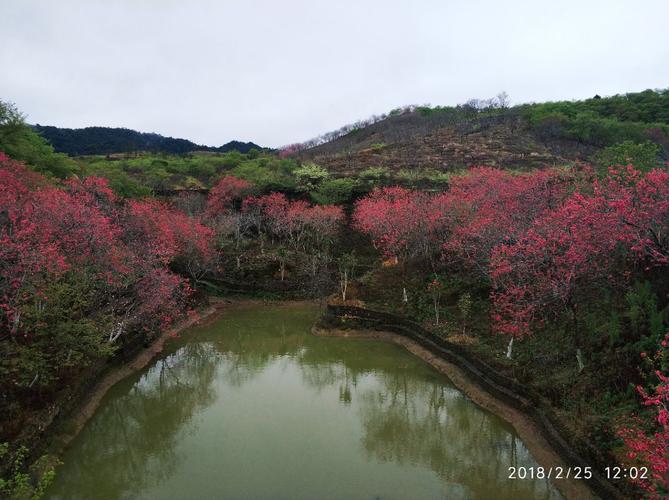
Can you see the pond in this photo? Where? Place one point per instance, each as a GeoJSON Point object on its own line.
{"type": "Point", "coordinates": [253, 406]}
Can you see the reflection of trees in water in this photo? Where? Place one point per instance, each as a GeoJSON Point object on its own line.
{"type": "Point", "coordinates": [409, 420]}
{"type": "Point", "coordinates": [247, 354]}
{"type": "Point", "coordinates": [134, 436]}
{"type": "Point", "coordinates": [324, 375]}
{"type": "Point", "coordinates": [325, 362]}
{"type": "Point", "coordinates": [409, 416]}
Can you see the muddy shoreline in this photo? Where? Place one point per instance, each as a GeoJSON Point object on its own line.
{"type": "Point", "coordinates": [84, 410]}
{"type": "Point", "coordinates": [528, 431]}
{"type": "Point", "coordinates": [72, 425]}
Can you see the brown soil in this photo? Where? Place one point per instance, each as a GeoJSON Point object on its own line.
{"type": "Point", "coordinates": [504, 144]}
{"type": "Point", "coordinates": [528, 431]}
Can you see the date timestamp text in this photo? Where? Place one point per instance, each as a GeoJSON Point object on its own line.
{"type": "Point", "coordinates": [610, 473]}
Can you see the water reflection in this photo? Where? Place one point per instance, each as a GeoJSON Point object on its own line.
{"type": "Point", "coordinates": [130, 443]}
{"type": "Point", "coordinates": [253, 406]}
{"type": "Point", "coordinates": [415, 416]}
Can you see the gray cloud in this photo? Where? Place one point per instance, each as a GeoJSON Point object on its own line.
{"type": "Point", "coordinates": [279, 72]}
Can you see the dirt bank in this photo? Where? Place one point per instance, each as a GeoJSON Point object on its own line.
{"type": "Point", "coordinates": [528, 431]}
{"type": "Point", "coordinates": [73, 424]}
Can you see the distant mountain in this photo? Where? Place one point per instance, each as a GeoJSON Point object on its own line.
{"type": "Point", "coordinates": [242, 147]}
{"type": "Point", "coordinates": [108, 140]}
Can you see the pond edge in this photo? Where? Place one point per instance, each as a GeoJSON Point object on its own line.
{"type": "Point", "coordinates": [67, 427]}
{"type": "Point", "coordinates": [507, 398]}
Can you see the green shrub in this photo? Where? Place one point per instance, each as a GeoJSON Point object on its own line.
{"type": "Point", "coordinates": [647, 323]}
{"type": "Point", "coordinates": [644, 156]}
{"type": "Point", "coordinates": [18, 482]}
{"type": "Point", "coordinates": [309, 176]}
{"type": "Point", "coordinates": [119, 180]}
{"type": "Point", "coordinates": [22, 143]}
{"type": "Point", "coordinates": [334, 191]}
{"type": "Point", "coordinates": [268, 174]}
{"type": "Point", "coordinates": [67, 335]}
{"type": "Point", "coordinates": [605, 121]}
{"type": "Point", "coordinates": [373, 173]}
{"type": "Point", "coordinates": [253, 154]}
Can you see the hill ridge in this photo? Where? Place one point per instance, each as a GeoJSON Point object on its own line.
{"type": "Point", "coordinates": [108, 140]}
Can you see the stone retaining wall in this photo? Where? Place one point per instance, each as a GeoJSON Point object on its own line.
{"type": "Point", "coordinates": [490, 380]}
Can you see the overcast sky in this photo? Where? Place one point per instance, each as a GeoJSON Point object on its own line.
{"type": "Point", "coordinates": [276, 72]}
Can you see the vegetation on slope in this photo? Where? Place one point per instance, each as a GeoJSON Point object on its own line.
{"type": "Point", "coordinates": [569, 269]}
{"type": "Point", "coordinates": [20, 142]}
{"type": "Point", "coordinates": [563, 268]}
{"type": "Point", "coordinates": [491, 133]}
{"type": "Point", "coordinates": [604, 121]}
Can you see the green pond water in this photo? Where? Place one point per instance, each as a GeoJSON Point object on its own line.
{"type": "Point", "coordinates": [253, 406]}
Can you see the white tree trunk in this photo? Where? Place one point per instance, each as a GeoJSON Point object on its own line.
{"type": "Point", "coordinates": [16, 322]}
{"type": "Point", "coordinates": [509, 349]}
{"type": "Point", "coordinates": [344, 285]}
{"type": "Point", "coordinates": [579, 360]}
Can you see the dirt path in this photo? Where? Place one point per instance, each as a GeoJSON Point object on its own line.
{"type": "Point", "coordinates": [528, 431]}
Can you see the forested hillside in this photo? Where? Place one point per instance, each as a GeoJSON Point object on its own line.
{"type": "Point", "coordinates": [108, 140]}
{"type": "Point", "coordinates": [536, 237]}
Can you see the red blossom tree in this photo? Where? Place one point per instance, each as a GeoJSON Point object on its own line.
{"type": "Point", "coordinates": [30, 252]}
{"type": "Point", "coordinates": [291, 149]}
{"type": "Point", "coordinates": [45, 232]}
{"type": "Point", "coordinates": [487, 207]}
{"type": "Point", "coordinates": [80, 272]}
{"type": "Point", "coordinates": [160, 235]}
{"type": "Point", "coordinates": [303, 227]}
{"type": "Point", "coordinates": [393, 218]}
{"type": "Point", "coordinates": [562, 249]}
{"type": "Point", "coordinates": [226, 191]}
{"type": "Point", "coordinates": [647, 439]}
{"type": "Point", "coordinates": [642, 203]}
{"type": "Point", "coordinates": [84, 228]}
{"type": "Point", "coordinates": [267, 212]}
{"type": "Point", "coordinates": [161, 298]}
{"type": "Point", "coordinates": [295, 221]}
{"type": "Point", "coordinates": [323, 222]}
{"type": "Point", "coordinates": [403, 224]}
{"type": "Point", "coordinates": [572, 250]}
